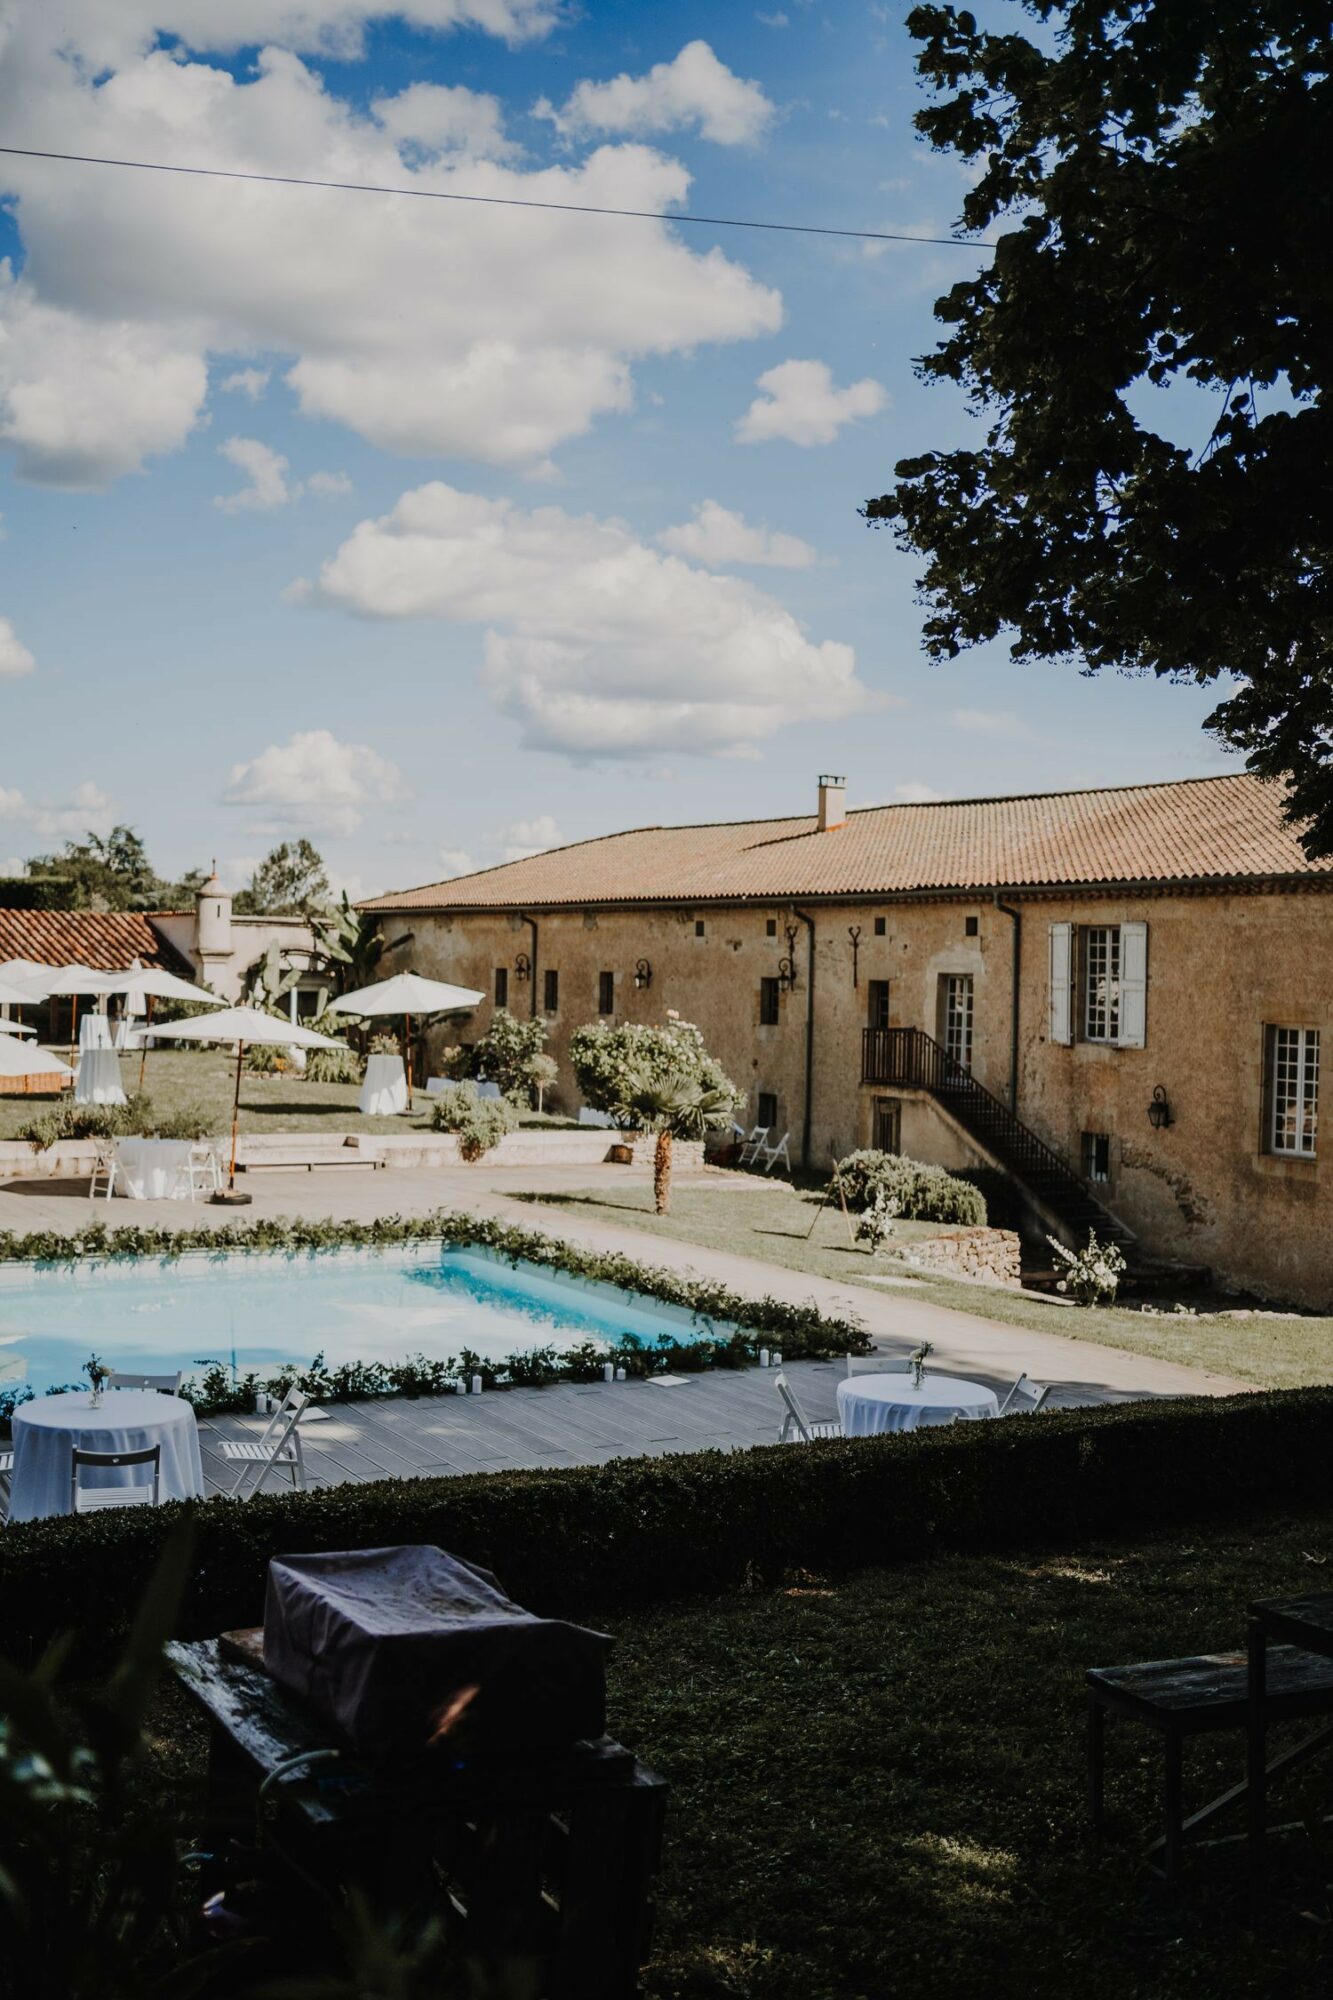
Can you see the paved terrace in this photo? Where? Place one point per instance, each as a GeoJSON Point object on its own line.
{"type": "Point", "coordinates": [586, 1424]}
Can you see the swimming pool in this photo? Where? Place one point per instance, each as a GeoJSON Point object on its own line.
{"type": "Point", "coordinates": [259, 1310]}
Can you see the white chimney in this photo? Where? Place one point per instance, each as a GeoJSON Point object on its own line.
{"type": "Point", "coordinates": [832, 803]}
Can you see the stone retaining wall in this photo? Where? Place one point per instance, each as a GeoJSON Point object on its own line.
{"type": "Point", "coordinates": [72, 1159]}
{"type": "Point", "coordinates": [969, 1253]}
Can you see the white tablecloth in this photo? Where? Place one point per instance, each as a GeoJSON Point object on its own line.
{"type": "Point", "coordinates": [94, 1032]}
{"type": "Point", "coordinates": [385, 1088]}
{"type": "Point", "coordinates": [97, 1079]}
{"type": "Point", "coordinates": [47, 1431]}
{"type": "Point", "coordinates": [150, 1168]}
{"type": "Point", "coordinates": [870, 1403]}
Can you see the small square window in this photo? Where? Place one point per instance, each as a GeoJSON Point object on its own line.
{"type": "Point", "coordinates": [971, 926]}
{"type": "Point", "coordinates": [698, 927]}
{"type": "Point", "coordinates": [502, 985]}
{"type": "Point", "coordinates": [1096, 1156]}
{"type": "Point", "coordinates": [881, 926]}
{"type": "Point", "coordinates": [771, 927]}
{"type": "Point", "coordinates": [606, 992]}
{"type": "Point", "coordinates": [551, 992]}
{"type": "Point", "coordinates": [767, 1112]}
{"type": "Point", "coordinates": [769, 1011]}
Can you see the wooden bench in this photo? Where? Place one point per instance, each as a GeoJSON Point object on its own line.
{"type": "Point", "coordinates": [547, 1859]}
{"type": "Point", "coordinates": [1192, 1697]}
{"type": "Point", "coordinates": [300, 1160]}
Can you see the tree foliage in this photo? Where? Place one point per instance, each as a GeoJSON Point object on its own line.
{"type": "Point", "coordinates": [289, 882]}
{"type": "Point", "coordinates": [615, 1066]}
{"type": "Point", "coordinates": [112, 871]}
{"type": "Point", "coordinates": [1165, 170]}
{"type": "Point", "coordinates": [509, 1053]}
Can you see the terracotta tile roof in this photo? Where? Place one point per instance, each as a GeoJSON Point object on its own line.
{"type": "Point", "coordinates": [1227, 829]}
{"type": "Point", "coordinates": [107, 940]}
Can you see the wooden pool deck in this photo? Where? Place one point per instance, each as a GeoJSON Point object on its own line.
{"type": "Point", "coordinates": [566, 1424]}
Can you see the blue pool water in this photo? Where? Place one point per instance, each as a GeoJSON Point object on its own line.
{"type": "Point", "coordinates": [256, 1311]}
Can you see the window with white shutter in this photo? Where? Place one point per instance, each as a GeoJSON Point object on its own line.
{"type": "Point", "coordinates": [1133, 985]}
{"type": "Point", "coordinates": [1061, 956]}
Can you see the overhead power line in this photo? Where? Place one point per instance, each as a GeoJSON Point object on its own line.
{"type": "Point", "coordinates": [497, 200]}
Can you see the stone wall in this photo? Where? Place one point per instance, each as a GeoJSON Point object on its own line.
{"type": "Point", "coordinates": [968, 1253]}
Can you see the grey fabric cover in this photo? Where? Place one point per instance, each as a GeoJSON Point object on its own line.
{"type": "Point", "coordinates": [384, 1643]}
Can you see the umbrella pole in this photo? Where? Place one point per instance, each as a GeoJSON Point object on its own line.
{"type": "Point", "coordinates": [228, 1195]}
{"type": "Point", "coordinates": [143, 1053]}
{"type": "Point", "coordinates": [73, 1022]}
{"type": "Point", "coordinates": [407, 1052]}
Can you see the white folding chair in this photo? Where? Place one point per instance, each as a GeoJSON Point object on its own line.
{"type": "Point", "coordinates": [93, 1499]}
{"type": "Point", "coordinates": [1025, 1398]}
{"type": "Point", "coordinates": [796, 1426]}
{"type": "Point", "coordinates": [198, 1173]}
{"type": "Point", "coordinates": [106, 1166]}
{"type": "Point", "coordinates": [876, 1364]}
{"type": "Point", "coordinates": [772, 1154]}
{"type": "Point", "coordinates": [278, 1450]}
{"type": "Point", "coordinates": [754, 1145]}
{"type": "Point", "coordinates": [166, 1385]}
{"type": "Point", "coordinates": [6, 1475]}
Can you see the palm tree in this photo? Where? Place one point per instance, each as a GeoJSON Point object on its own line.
{"type": "Point", "coordinates": [675, 1107]}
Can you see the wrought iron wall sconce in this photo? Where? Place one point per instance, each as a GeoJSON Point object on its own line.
{"type": "Point", "coordinates": [854, 933]}
{"type": "Point", "coordinates": [1159, 1111]}
{"type": "Point", "coordinates": [643, 974]}
{"type": "Point", "coordinates": [523, 968]}
{"type": "Point", "coordinates": [787, 965]}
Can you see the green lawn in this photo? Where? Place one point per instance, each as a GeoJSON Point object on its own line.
{"type": "Point", "coordinates": [179, 1078]}
{"type": "Point", "coordinates": [877, 1782]}
{"type": "Point", "coordinates": [772, 1221]}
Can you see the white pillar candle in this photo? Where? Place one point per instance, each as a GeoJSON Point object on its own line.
{"type": "Point", "coordinates": [608, 1371]}
{"type": "Point", "coordinates": [776, 1359]}
{"type": "Point", "coordinates": [763, 1357]}
{"type": "Point", "coordinates": [620, 1375]}
{"type": "Point", "coordinates": [476, 1385]}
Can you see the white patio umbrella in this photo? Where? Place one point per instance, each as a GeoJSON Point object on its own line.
{"type": "Point", "coordinates": [407, 993]}
{"type": "Point", "coordinates": [16, 1028]}
{"type": "Point", "coordinates": [16, 1059]}
{"type": "Point", "coordinates": [247, 1027]}
{"type": "Point", "coordinates": [141, 985]}
{"type": "Point", "coordinates": [28, 976]}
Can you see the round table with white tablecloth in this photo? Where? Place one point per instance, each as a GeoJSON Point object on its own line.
{"type": "Point", "coordinates": [97, 1079]}
{"type": "Point", "coordinates": [154, 1169]}
{"type": "Point", "coordinates": [871, 1403]}
{"type": "Point", "coordinates": [385, 1088]}
{"type": "Point", "coordinates": [48, 1431]}
{"type": "Point", "coordinates": [95, 1032]}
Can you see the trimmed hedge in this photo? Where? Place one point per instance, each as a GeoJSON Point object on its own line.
{"type": "Point", "coordinates": [596, 1539]}
{"type": "Point", "coordinates": [922, 1193]}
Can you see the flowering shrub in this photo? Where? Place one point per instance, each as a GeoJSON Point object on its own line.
{"type": "Point", "coordinates": [876, 1224]}
{"type": "Point", "coordinates": [613, 1067]}
{"type": "Point", "coordinates": [506, 1054]}
{"type": "Point", "coordinates": [1091, 1275]}
{"type": "Point", "coordinates": [480, 1122]}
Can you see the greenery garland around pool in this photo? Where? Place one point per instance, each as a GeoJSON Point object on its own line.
{"type": "Point", "coordinates": [801, 1332]}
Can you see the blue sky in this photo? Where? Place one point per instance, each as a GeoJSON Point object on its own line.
{"type": "Point", "coordinates": [381, 521]}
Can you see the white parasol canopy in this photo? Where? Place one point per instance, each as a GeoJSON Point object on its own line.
{"type": "Point", "coordinates": [407, 993]}
{"type": "Point", "coordinates": [16, 1028]}
{"type": "Point", "coordinates": [14, 995]}
{"type": "Point", "coordinates": [139, 982]}
{"type": "Point", "coordinates": [75, 979]}
{"type": "Point", "coordinates": [18, 1060]}
{"type": "Point", "coordinates": [246, 1027]}
{"type": "Point", "coordinates": [29, 976]}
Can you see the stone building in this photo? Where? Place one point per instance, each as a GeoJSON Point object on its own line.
{"type": "Point", "coordinates": [1116, 997]}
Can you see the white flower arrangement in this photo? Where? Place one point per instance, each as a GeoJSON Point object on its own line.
{"type": "Point", "coordinates": [1091, 1276]}
{"type": "Point", "coordinates": [875, 1224]}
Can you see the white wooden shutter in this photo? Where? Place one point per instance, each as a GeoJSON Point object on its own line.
{"type": "Point", "coordinates": [1133, 985]}
{"type": "Point", "coordinates": [1061, 960]}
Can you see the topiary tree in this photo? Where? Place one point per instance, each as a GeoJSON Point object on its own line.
{"type": "Point", "coordinates": [479, 1122]}
{"type": "Point", "coordinates": [614, 1066]}
{"type": "Point", "coordinates": [507, 1052]}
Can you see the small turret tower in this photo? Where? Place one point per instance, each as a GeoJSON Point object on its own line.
{"type": "Point", "coordinates": [212, 930]}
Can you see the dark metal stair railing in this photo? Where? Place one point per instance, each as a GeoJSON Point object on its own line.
{"type": "Point", "coordinates": [911, 1057]}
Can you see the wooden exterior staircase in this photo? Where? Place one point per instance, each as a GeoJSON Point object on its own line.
{"type": "Point", "coordinates": [912, 1059]}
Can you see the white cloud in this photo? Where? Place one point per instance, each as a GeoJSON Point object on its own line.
{"type": "Point", "coordinates": [328, 485]}
{"type": "Point", "coordinates": [597, 644]}
{"type": "Point", "coordinates": [915, 795]}
{"type": "Point", "coordinates": [250, 382]}
{"type": "Point", "coordinates": [778, 20]}
{"type": "Point", "coordinates": [719, 538]}
{"type": "Point", "coordinates": [13, 805]}
{"type": "Point", "coordinates": [799, 403]}
{"type": "Point", "coordinates": [266, 471]}
{"type": "Point", "coordinates": [87, 810]}
{"type": "Point", "coordinates": [446, 118]}
{"type": "Point", "coordinates": [314, 782]}
{"type": "Point", "coordinates": [15, 659]}
{"type": "Point", "coordinates": [694, 91]}
{"type": "Point", "coordinates": [456, 861]}
{"type": "Point", "coordinates": [131, 283]}
{"type": "Point", "coordinates": [527, 836]}
{"type": "Point", "coordinates": [13, 864]}
{"type": "Point", "coordinates": [1005, 723]}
